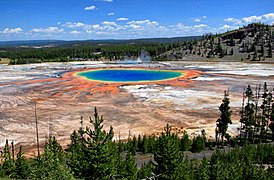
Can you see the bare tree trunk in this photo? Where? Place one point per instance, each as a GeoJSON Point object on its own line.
{"type": "Point", "coordinates": [37, 133]}
{"type": "Point", "coordinates": [242, 115]}
{"type": "Point", "coordinates": [257, 92]}
{"type": "Point", "coordinates": [12, 150]}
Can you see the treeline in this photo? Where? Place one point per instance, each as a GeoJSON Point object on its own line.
{"type": "Point", "coordinates": [93, 155]}
{"type": "Point", "coordinates": [257, 114]}
{"type": "Point", "coordinates": [81, 53]}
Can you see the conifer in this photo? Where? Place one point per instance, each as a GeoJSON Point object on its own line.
{"type": "Point", "coordinates": [225, 117]}
{"type": "Point", "coordinates": [168, 156]}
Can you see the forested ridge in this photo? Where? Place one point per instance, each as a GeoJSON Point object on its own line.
{"type": "Point", "coordinates": [253, 42]}
{"type": "Point", "coordinates": [92, 153]}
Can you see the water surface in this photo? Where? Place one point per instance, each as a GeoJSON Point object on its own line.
{"type": "Point", "coordinates": [129, 75]}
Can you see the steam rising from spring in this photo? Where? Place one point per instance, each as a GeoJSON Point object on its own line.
{"type": "Point", "coordinates": [144, 57]}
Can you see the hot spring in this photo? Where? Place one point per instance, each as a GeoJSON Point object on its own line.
{"type": "Point", "coordinates": [129, 75]}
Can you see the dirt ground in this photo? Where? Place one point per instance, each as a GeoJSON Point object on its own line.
{"type": "Point", "coordinates": [189, 103]}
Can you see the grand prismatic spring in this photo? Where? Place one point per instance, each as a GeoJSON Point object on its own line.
{"type": "Point", "coordinates": [130, 75]}
{"type": "Point", "coordinates": [184, 94]}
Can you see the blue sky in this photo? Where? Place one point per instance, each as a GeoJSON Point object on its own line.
{"type": "Point", "coordinates": [126, 19]}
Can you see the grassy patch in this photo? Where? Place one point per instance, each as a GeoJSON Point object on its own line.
{"type": "Point", "coordinates": [4, 60]}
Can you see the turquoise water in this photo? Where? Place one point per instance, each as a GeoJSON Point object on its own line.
{"type": "Point", "coordinates": [126, 75]}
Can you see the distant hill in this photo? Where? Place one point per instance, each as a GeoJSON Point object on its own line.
{"type": "Point", "coordinates": [54, 43]}
{"type": "Point", "coordinates": [253, 42]}
{"type": "Point", "coordinates": [31, 43]}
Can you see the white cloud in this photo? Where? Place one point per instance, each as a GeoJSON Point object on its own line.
{"type": "Point", "coordinates": [96, 26]}
{"type": "Point", "coordinates": [11, 31]}
{"type": "Point", "coordinates": [263, 18]}
{"type": "Point", "coordinates": [144, 22]}
{"type": "Point", "coordinates": [233, 20]}
{"type": "Point", "coordinates": [134, 26]}
{"type": "Point", "coordinates": [102, 33]}
{"type": "Point", "coordinates": [75, 32]}
{"type": "Point", "coordinates": [73, 24]}
{"type": "Point", "coordinates": [122, 19]}
{"type": "Point", "coordinates": [197, 20]}
{"type": "Point", "coordinates": [111, 14]}
{"type": "Point", "coordinates": [47, 30]}
{"type": "Point", "coordinates": [142, 25]}
{"type": "Point", "coordinates": [90, 8]}
{"type": "Point", "coordinates": [130, 28]}
{"type": "Point", "coordinates": [227, 26]}
{"type": "Point", "coordinates": [109, 23]}
{"type": "Point", "coordinates": [269, 16]}
{"type": "Point", "coordinates": [200, 26]}
{"type": "Point", "coordinates": [180, 26]}
{"type": "Point", "coordinates": [251, 19]}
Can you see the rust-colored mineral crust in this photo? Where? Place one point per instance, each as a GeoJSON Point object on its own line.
{"type": "Point", "coordinates": [189, 102]}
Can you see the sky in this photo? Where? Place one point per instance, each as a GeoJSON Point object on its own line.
{"type": "Point", "coordinates": [126, 19]}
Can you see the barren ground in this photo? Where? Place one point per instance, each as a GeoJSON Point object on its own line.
{"type": "Point", "coordinates": [189, 104]}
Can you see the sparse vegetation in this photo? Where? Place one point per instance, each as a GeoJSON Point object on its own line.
{"type": "Point", "coordinates": [252, 42]}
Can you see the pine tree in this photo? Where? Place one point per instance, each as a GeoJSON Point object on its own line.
{"type": "Point", "coordinates": [8, 165]}
{"type": "Point", "coordinates": [132, 145]}
{"type": "Point", "coordinates": [217, 170]}
{"type": "Point", "coordinates": [128, 168]}
{"type": "Point", "coordinates": [152, 141]}
{"type": "Point", "coordinates": [248, 115]}
{"type": "Point", "coordinates": [146, 171]}
{"type": "Point", "coordinates": [185, 142]}
{"type": "Point", "coordinates": [145, 145]}
{"type": "Point", "coordinates": [139, 143]}
{"type": "Point", "coordinates": [53, 148]}
{"type": "Point", "coordinates": [168, 158]}
{"type": "Point", "coordinates": [51, 165]}
{"type": "Point", "coordinates": [271, 125]}
{"type": "Point", "coordinates": [225, 117]}
{"type": "Point", "coordinates": [121, 145]}
{"type": "Point", "coordinates": [22, 168]}
{"type": "Point", "coordinates": [262, 49]}
{"type": "Point", "coordinates": [269, 51]}
{"type": "Point", "coordinates": [77, 161]}
{"type": "Point", "coordinates": [101, 152]}
{"type": "Point", "coordinates": [198, 144]}
{"type": "Point", "coordinates": [92, 153]}
{"type": "Point", "coordinates": [203, 172]}
{"type": "Point", "coordinates": [265, 107]}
